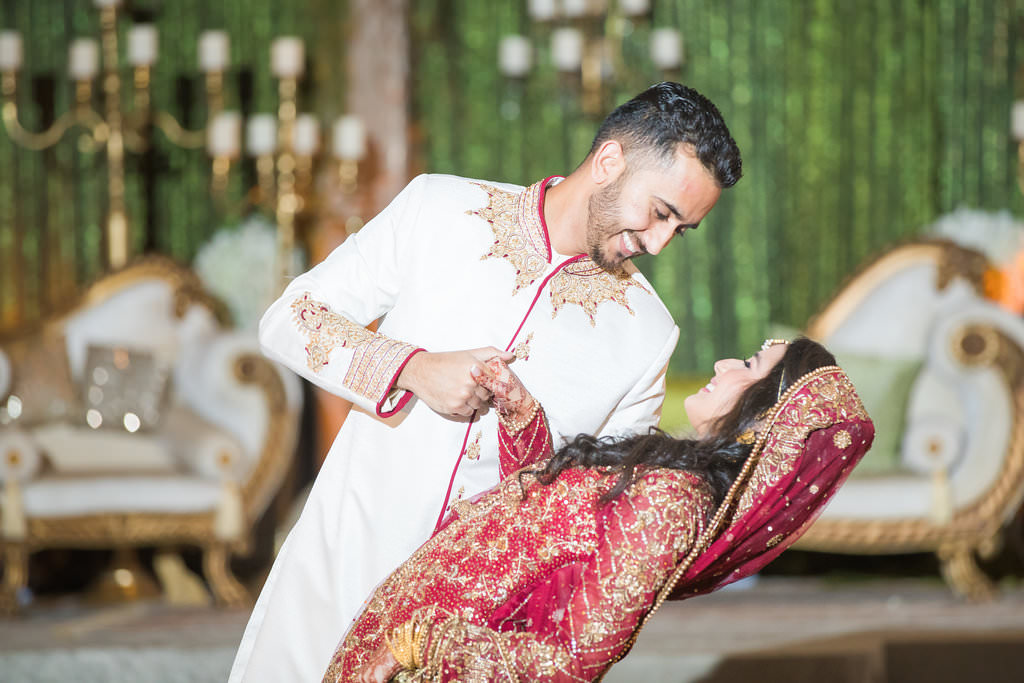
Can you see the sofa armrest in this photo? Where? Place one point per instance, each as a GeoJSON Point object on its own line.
{"type": "Point", "coordinates": [20, 458]}
{"type": "Point", "coordinates": [207, 382]}
{"type": "Point", "coordinates": [970, 384]}
{"type": "Point", "coordinates": [204, 449]}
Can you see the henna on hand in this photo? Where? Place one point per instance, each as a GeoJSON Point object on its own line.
{"type": "Point", "coordinates": [508, 395]}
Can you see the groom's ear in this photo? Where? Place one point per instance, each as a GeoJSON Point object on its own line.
{"type": "Point", "coordinates": [607, 163]}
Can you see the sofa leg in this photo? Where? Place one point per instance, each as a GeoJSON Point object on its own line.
{"type": "Point", "coordinates": [227, 591]}
{"type": "Point", "coordinates": [15, 577]}
{"type": "Point", "coordinates": [963, 575]}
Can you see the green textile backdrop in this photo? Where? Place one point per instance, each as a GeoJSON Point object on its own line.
{"type": "Point", "coordinates": [860, 123]}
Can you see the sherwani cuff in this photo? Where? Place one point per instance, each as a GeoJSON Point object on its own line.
{"type": "Point", "coordinates": [394, 399]}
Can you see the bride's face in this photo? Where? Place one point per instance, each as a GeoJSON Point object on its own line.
{"type": "Point", "coordinates": [732, 378]}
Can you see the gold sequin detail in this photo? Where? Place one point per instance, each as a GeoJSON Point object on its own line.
{"type": "Point", "coordinates": [473, 449]}
{"type": "Point", "coordinates": [519, 238]}
{"type": "Point", "coordinates": [522, 349]}
{"type": "Point", "coordinates": [376, 359]}
{"type": "Point", "coordinates": [833, 400]}
{"type": "Point", "coordinates": [842, 439]}
{"type": "Point", "coordinates": [585, 283]}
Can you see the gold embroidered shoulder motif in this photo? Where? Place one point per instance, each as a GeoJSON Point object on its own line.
{"type": "Point", "coordinates": [587, 284]}
{"type": "Point", "coordinates": [521, 239]}
{"type": "Point", "coordinates": [518, 236]}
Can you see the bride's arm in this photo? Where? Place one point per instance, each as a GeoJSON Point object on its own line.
{"type": "Point", "coordinates": [523, 434]}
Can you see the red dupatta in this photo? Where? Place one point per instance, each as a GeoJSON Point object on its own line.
{"type": "Point", "coordinates": [814, 436]}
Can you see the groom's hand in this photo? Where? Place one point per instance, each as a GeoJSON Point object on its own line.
{"type": "Point", "coordinates": [444, 380]}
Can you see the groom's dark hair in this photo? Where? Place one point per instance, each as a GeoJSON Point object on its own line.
{"type": "Point", "coordinates": [654, 123]}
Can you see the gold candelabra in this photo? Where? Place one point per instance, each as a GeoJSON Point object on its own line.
{"type": "Point", "coordinates": [286, 148]}
{"type": "Point", "coordinates": [115, 129]}
{"type": "Point", "coordinates": [586, 38]}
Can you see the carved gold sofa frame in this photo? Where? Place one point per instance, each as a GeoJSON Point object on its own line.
{"type": "Point", "coordinates": [926, 298]}
{"type": "Point", "coordinates": [225, 382]}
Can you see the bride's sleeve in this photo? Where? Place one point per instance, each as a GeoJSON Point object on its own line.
{"type": "Point", "coordinates": [521, 445]}
{"type": "Point", "coordinates": [645, 531]}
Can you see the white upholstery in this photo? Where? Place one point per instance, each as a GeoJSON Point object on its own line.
{"type": "Point", "coordinates": [55, 496]}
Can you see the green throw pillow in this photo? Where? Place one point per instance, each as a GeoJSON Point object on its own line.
{"type": "Point", "coordinates": [883, 384]}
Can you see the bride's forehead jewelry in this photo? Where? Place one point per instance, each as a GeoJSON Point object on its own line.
{"type": "Point", "coordinates": [768, 343]}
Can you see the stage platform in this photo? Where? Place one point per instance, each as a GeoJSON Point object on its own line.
{"type": "Point", "coordinates": [774, 629]}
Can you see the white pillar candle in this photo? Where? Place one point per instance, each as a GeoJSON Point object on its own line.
{"type": "Point", "coordinates": [574, 9]}
{"type": "Point", "coordinates": [566, 48]}
{"type": "Point", "coordinates": [515, 56]}
{"type": "Point", "coordinates": [307, 135]}
{"type": "Point", "coordinates": [287, 57]}
{"type": "Point", "coordinates": [633, 8]}
{"type": "Point", "coordinates": [83, 59]}
{"type": "Point", "coordinates": [1017, 120]}
{"type": "Point", "coordinates": [106, 3]}
{"type": "Point", "coordinates": [542, 10]}
{"type": "Point", "coordinates": [349, 138]}
{"type": "Point", "coordinates": [666, 48]}
{"type": "Point", "coordinates": [261, 135]}
{"type": "Point", "coordinates": [11, 53]}
{"type": "Point", "coordinates": [214, 51]}
{"type": "Point", "coordinates": [223, 134]}
{"type": "Point", "coordinates": [142, 45]}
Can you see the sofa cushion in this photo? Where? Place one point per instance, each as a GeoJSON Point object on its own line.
{"type": "Point", "coordinates": [123, 389]}
{"type": "Point", "coordinates": [884, 385]}
{"type": "Point", "coordinates": [77, 449]}
{"type": "Point", "coordinates": [41, 388]}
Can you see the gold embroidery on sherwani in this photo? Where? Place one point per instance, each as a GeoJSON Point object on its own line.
{"type": "Point", "coordinates": [473, 449]}
{"type": "Point", "coordinates": [522, 349]}
{"type": "Point", "coordinates": [519, 237]}
{"type": "Point", "coordinates": [376, 358]}
{"type": "Point", "coordinates": [585, 283]}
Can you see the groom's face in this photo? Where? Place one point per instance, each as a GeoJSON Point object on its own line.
{"type": "Point", "coordinates": [641, 210]}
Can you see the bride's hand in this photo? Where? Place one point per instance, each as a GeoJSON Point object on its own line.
{"type": "Point", "coordinates": [509, 397]}
{"type": "Point", "coordinates": [381, 667]}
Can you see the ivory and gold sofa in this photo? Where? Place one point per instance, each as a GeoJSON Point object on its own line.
{"type": "Point", "coordinates": [139, 418]}
{"type": "Point", "coordinates": [946, 366]}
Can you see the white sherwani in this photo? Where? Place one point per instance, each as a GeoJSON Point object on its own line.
{"type": "Point", "coordinates": [451, 264]}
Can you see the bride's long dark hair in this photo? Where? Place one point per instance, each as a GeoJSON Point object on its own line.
{"type": "Point", "coordinates": [717, 458]}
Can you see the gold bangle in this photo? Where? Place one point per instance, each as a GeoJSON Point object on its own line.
{"type": "Point", "coordinates": [402, 642]}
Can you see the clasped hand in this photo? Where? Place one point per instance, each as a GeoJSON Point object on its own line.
{"type": "Point", "coordinates": [445, 380]}
{"type": "Point", "coordinates": [461, 383]}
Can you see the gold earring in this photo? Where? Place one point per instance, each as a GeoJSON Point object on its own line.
{"type": "Point", "coordinates": [746, 437]}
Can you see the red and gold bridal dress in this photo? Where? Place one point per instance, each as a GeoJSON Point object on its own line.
{"type": "Point", "coordinates": [528, 582]}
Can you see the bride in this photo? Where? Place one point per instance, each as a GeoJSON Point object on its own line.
{"type": "Point", "coordinates": [550, 575]}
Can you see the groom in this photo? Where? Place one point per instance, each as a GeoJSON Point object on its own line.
{"type": "Point", "coordinates": [460, 271]}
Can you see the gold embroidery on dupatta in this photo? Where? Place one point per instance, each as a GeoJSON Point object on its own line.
{"type": "Point", "coordinates": [376, 358]}
{"type": "Point", "coordinates": [519, 238]}
{"type": "Point", "coordinates": [586, 284]}
{"type": "Point", "coordinates": [832, 401]}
